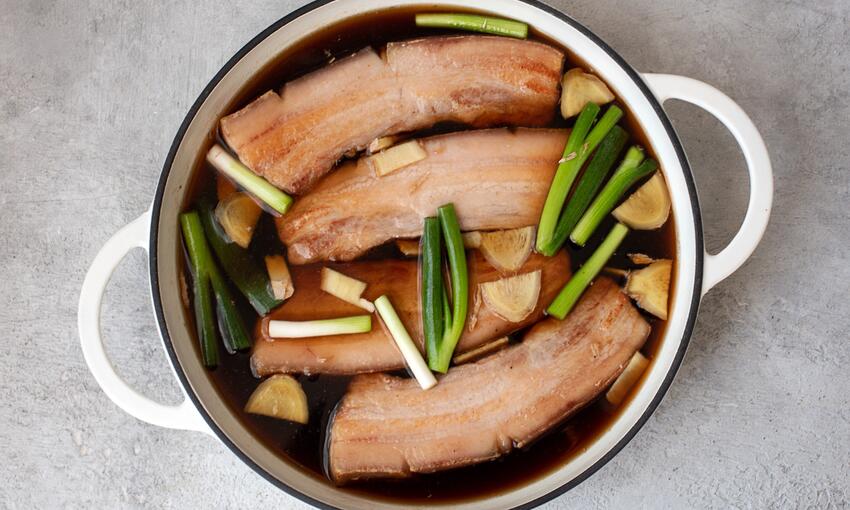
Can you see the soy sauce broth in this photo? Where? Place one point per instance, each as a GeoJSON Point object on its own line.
{"type": "Point", "coordinates": [304, 445]}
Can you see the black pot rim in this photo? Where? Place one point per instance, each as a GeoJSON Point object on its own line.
{"type": "Point", "coordinates": [695, 293]}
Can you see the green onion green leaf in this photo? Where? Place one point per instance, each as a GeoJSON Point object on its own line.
{"type": "Point", "coordinates": [572, 291]}
{"type": "Point", "coordinates": [576, 153]}
{"type": "Point", "coordinates": [459, 285]}
{"type": "Point", "coordinates": [591, 180]}
{"type": "Point", "coordinates": [474, 23]}
{"type": "Point", "coordinates": [249, 275]}
{"type": "Point", "coordinates": [432, 286]}
{"type": "Point", "coordinates": [631, 170]}
{"type": "Point", "coordinates": [201, 261]}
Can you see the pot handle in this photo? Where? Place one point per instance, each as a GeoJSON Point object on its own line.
{"type": "Point", "coordinates": [733, 256]}
{"type": "Point", "coordinates": [181, 416]}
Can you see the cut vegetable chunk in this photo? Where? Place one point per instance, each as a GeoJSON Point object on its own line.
{"type": "Point", "coordinates": [641, 259]}
{"type": "Point", "coordinates": [471, 239]}
{"type": "Point", "coordinates": [244, 177]}
{"type": "Point", "coordinates": [243, 269]}
{"type": "Point", "coordinates": [564, 176]}
{"type": "Point", "coordinates": [574, 288]}
{"type": "Point", "coordinates": [397, 157]}
{"type": "Point", "coordinates": [513, 298]}
{"type": "Point", "coordinates": [631, 170]}
{"type": "Point", "coordinates": [431, 286]}
{"type": "Point", "coordinates": [346, 288]}
{"type": "Point", "coordinates": [459, 288]}
{"type": "Point", "coordinates": [234, 334]}
{"type": "Point", "coordinates": [630, 376]}
{"type": "Point", "coordinates": [405, 344]}
{"type": "Point", "coordinates": [201, 261]}
{"type": "Point", "coordinates": [408, 247]}
{"type": "Point", "coordinates": [579, 88]}
{"type": "Point", "coordinates": [280, 396]}
{"type": "Point", "coordinates": [206, 274]}
{"type": "Point", "coordinates": [507, 250]}
{"type": "Point", "coordinates": [238, 215]}
{"type": "Point", "coordinates": [279, 276]}
{"type": "Point", "coordinates": [650, 287]}
{"type": "Point", "coordinates": [323, 327]}
{"type": "Point", "coordinates": [379, 144]}
{"type": "Point", "coordinates": [648, 207]}
{"type": "Point", "coordinates": [578, 149]}
{"type": "Point", "coordinates": [341, 286]}
{"type": "Point", "coordinates": [474, 23]}
{"type": "Point", "coordinates": [591, 180]}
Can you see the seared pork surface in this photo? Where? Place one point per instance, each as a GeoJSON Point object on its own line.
{"type": "Point", "coordinates": [387, 426]}
{"type": "Point", "coordinates": [295, 137]}
{"type": "Point", "coordinates": [375, 351]}
{"type": "Point", "coordinates": [496, 178]}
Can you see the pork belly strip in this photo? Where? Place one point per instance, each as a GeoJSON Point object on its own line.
{"type": "Point", "coordinates": [386, 426]}
{"type": "Point", "coordinates": [496, 178]}
{"type": "Point", "coordinates": [295, 137]}
{"type": "Point", "coordinates": [375, 351]}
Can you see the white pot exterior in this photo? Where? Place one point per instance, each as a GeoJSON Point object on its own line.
{"type": "Point", "coordinates": [161, 237]}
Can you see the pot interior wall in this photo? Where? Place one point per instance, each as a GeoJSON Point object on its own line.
{"type": "Point", "coordinates": [200, 126]}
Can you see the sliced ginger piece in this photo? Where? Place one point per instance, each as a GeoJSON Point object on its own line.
{"type": "Point", "coordinates": [579, 88]}
{"type": "Point", "coordinates": [648, 207]}
{"type": "Point", "coordinates": [280, 396]}
{"type": "Point", "coordinates": [408, 247]}
{"type": "Point", "coordinates": [345, 288]}
{"type": "Point", "coordinates": [640, 259]}
{"type": "Point", "coordinates": [626, 381]}
{"type": "Point", "coordinates": [512, 298]}
{"type": "Point", "coordinates": [471, 240]}
{"type": "Point", "coordinates": [379, 144]}
{"type": "Point", "coordinates": [650, 286]}
{"type": "Point", "coordinates": [397, 157]}
{"type": "Point", "coordinates": [281, 280]}
{"type": "Point", "coordinates": [507, 250]}
{"type": "Point", "coordinates": [238, 215]}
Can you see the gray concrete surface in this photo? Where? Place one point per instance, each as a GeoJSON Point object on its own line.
{"type": "Point", "coordinates": [91, 94]}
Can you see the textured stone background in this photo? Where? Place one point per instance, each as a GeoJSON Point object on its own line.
{"type": "Point", "coordinates": [91, 94]}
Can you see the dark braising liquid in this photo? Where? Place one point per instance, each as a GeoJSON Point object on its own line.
{"type": "Point", "coordinates": [304, 445]}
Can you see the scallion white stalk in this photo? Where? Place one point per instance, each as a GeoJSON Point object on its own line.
{"type": "Point", "coordinates": [345, 288]}
{"type": "Point", "coordinates": [405, 344]}
{"type": "Point", "coordinates": [251, 182]}
{"type": "Point", "coordinates": [324, 327]}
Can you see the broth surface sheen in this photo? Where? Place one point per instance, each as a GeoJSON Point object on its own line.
{"type": "Point", "coordinates": [304, 445]}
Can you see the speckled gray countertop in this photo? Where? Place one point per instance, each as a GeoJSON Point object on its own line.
{"type": "Point", "coordinates": [93, 92]}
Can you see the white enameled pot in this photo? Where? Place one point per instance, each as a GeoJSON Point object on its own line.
{"type": "Point", "coordinates": [157, 232]}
